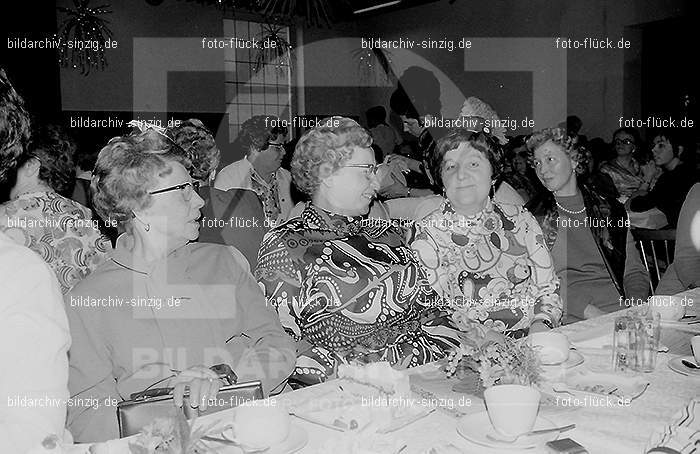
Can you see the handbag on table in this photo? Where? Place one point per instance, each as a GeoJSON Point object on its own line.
{"type": "Point", "coordinates": [144, 407]}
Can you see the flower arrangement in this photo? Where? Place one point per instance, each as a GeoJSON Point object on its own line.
{"type": "Point", "coordinates": [498, 359]}
{"type": "Point", "coordinates": [172, 435]}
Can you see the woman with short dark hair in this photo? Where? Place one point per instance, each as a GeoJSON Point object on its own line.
{"type": "Point", "coordinates": [627, 173]}
{"type": "Point", "coordinates": [480, 252]}
{"type": "Point", "coordinates": [674, 183]}
{"type": "Point", "coordinates": [40, 217]}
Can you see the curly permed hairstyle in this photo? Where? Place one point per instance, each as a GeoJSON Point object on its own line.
{"type": "Point", "coordinates": [197, 141]}
{"type": "Point", "coordinates": [482, 141]}
{"type": "Point", "coordinates": [259, 130]}
{"type": "Point", "coordinates": [558, 136]}
{"type": "Point", "coordinates": [325, 149]}
{"type": "Point", "coordinates": [125, 171]}
{"type": "Point", "coordinates": [54, 149]}
{"type": "Point", "coordinates": [15, 127]}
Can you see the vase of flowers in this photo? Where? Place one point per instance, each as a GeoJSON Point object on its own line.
{"type": "Point", "coordinates": [508, 369]}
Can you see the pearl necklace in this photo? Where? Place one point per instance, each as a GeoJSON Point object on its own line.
{"type": "Point", "coordinates": [569, 211]}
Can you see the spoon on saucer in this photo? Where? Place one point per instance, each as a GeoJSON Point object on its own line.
{"type": "Point", "coordinates": [512, 439]}
{"type": "Point", "coordinates": [689, 365]}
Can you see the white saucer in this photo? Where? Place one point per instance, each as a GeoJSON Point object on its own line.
{"type": "Point", "coordinates": [575, 358]}
{"type": "Point", "coordinates": [296, 439]}
{"type": "Point", "coordinates": [476, 426]}
{"type": "Point", "coordinates": [676, 365]}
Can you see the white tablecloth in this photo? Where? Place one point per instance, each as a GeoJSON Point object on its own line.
{"type": "Point", "coordinates": [615, 430]}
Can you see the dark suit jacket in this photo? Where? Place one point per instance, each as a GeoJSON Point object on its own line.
{"type": "Point", "coordinates": [235, 218]}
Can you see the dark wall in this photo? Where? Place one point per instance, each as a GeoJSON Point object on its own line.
{"type": "Point", "coordinates": [34, 72]}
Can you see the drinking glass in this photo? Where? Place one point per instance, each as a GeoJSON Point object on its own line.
{"type": "Point", "coordinates": [624, 353]}
{"type": "Point", "coordinates": [636, 342]}
{"type": "Point", "coordinates": [647, 342]}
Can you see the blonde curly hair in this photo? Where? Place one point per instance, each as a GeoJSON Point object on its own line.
{"type": "Point", "coordinates": [558, 136]}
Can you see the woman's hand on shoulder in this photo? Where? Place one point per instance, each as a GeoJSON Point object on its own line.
{"type": "Point", "coordinates": [202, 384]}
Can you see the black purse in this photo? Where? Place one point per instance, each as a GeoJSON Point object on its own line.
{"type": "Point", "coordinates": [144, 407]}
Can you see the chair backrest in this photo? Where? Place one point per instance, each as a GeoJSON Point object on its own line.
{"type": "Point", "coordinates": [656, 248]}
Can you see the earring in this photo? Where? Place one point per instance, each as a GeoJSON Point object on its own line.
{"type": "Point", "coordinates": [146, 226]}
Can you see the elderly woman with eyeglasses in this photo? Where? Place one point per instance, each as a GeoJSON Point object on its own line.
{"type": "Point", "coordinates": [262, 139]}
{"type": "Point", "coordinates": [486, 257]}
{"type": "Point", "coordinates": [347, 287]}
{"type": "Point", "coordinates": [162, 310]}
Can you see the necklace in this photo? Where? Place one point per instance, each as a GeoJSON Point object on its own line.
{"type": "Point", "coordinates": [569, 211]}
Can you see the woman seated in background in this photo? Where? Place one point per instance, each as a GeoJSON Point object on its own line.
{"type": "Point", "coordinates": [482, 253]}
{"type": "Point", "coordinates": [628, 175]}
{"type": "Point", "coordinates": [260, 170]}
{"type": "Point", "coordinates": [684, 272]}
{"type": "Point", "coordinates": [346, 286]}
{"type": "Point", "coordinates": [522, 178]}
{"type": "Point", "coordinates": [162, 310]}
{"type": "Point", "coordinates": [587, 232]}
{"type": "Point", "coordinates": [674, 183]}
{"type": "Point", "coordinates": [38, 215]}
{"type": "Point", "coordinates": [234, 217]}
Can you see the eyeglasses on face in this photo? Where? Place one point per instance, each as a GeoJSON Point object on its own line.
{"type": "Point", "coordinates": [624, 141]}
{"type": "Point", "coordinates": [371, 168]}
{"type": "Point", "coordinates": [273, 146]}
{"type": "Point", "coordinates": [188, 189]}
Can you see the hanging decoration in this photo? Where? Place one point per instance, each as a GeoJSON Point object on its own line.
{"type": "Point", "coordinates": [83, 35]}
{"type": "Point", "coordinates": [373, 65]}
{"type": "Point", "coordinates": [274, 48]}
{"type": "Point", "coordinates": [314, 13]}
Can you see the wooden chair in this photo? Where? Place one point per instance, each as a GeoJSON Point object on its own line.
{"type": "Point", "coordinates": [649, 241]}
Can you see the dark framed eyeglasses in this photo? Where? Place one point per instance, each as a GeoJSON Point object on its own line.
{"type": "Point", "coordinates": [372, 168]}
{"type": "Point", "coordinates": [278, 146]}
{"type": "Point", "coordinates": [188, 189]}
{"type": "Point", "coordinates": [624, 141]}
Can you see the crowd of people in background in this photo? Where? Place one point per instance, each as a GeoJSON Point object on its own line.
{"type": "Point", "coordinates": [355, 244]}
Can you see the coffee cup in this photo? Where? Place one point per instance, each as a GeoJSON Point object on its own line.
{"type": "Point", "coordinates": [552, 347]}
{"type": "Point", "coordinates": [258, 425]}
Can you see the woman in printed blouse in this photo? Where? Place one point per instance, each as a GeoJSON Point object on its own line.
{"type": "Point", "coordinates": [586, 230]}
{"type": "Point", "coordinates": [347, 287]}
{"type": "Point", "coordinates": [483, 253]}
{"type": "Point", "coordinates": [38, 215]}
{"type": "Point", "coordinates": [627, 174]}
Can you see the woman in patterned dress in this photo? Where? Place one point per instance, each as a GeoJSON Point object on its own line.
{"type": "Point", "coordinates": [346, 286]}
{"type": "Point", "coordinates": [488, 258]}
{"type": "Point", "coordinates": [38, 216]}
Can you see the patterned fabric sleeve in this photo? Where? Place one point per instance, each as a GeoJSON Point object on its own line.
{"type": "Point", "coordinates": [279, 276]}
{"type": "Point", "coordinates": [280, 279]}
{"type": "Point", "coordinates": [60, 230]}
{"type": "Point", "coordinates": [545, 284]}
